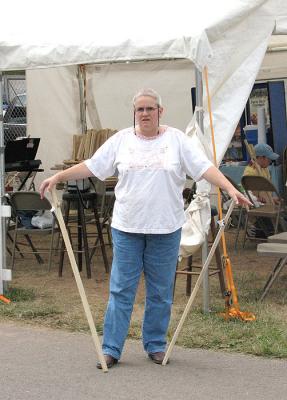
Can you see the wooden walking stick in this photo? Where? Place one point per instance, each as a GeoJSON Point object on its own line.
{"type": "Point", "coordinates": [222, 224]}
{"type": "Point", "coordinates": [57, 211]}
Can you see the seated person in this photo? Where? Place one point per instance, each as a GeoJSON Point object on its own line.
{"type": "Point", "coordinates": [263, 226]}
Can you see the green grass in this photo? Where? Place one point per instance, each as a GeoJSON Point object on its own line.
{"type": "Point", "coordinates": [266, 336]}
{"type": "Point", "coordinates": [19, 294]}
{"type": "Point", "coordinates": [24, 306]}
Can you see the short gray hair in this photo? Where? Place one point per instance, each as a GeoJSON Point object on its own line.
{"type": "Point", "coordinates": [150, 93]}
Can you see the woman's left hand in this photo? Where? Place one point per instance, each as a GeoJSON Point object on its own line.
{"type": "Point", "coordinates": [238, 197]}
{"type": "Point", "coordinates": [214, 176]}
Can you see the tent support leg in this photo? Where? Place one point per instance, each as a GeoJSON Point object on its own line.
{"type": "Point", "coordinates": [57, 211]}
{"type": "Point", "coordinates": [198, 282]}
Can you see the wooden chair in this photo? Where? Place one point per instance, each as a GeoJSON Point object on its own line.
{"type": "Point", "coordinates": [272, 211]}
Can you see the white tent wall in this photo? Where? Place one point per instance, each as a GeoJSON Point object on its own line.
{"type": "Point", "coordinates": [53, 113]}
{"type": "Point", "coordinates": [274, 66]}
{"type": "Point", "coordinates": [54, 110]}
{"type": "Point", "coordinates": [114, 86]}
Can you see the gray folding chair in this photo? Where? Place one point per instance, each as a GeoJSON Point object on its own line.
{"type": "Point", "coordinates": [30, 201]}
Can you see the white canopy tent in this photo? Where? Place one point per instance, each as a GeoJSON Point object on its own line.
{"type": "Point", "coordinates": [229, 37]}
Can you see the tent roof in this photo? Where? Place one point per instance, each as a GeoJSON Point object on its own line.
{"type": "Point", "coordinates": [63, 33]}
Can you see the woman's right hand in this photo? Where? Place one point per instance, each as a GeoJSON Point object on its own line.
{"type": "Point", "coordinates": [48, 184]}
{"type": "Point", "coordinates": [79, 171]}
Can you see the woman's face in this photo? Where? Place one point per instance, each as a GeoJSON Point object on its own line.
{"type": "Point", "coordinates": [147, 113]}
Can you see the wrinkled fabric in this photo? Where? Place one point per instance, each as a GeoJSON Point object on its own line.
{"type": "Point", "coordinates": [198, 218]}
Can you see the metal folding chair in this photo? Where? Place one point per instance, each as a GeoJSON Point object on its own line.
{"type": "Point", "coordinates": [30, 201]}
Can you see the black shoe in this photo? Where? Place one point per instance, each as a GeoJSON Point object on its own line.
{"type": "Point", "coordinates": [158, 357]}
{"type": "Point", "coordinates": [110, 360]}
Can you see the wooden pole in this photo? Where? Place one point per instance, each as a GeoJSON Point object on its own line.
{"type": "Point", "coordinates": [57, 210]}
{"type": "Point", "coordinates": [198, 282]}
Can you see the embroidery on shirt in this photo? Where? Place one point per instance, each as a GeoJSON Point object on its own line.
{"type": "Point", "coordinates": [147, 158]}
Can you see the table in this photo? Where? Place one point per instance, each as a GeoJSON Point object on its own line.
{"type": "Point", "coordinates": [276, 246]}
{"type": "Point", "coordinates": [27, 172]}
{"type": "Point", "coordinates": [278, 238]}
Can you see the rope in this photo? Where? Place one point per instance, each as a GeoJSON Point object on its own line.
{"type": "Point", "coordinates": [231, 292]}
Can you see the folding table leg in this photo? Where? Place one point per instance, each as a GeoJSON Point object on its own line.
{"type": "Point", "coordinates": [272, 277]}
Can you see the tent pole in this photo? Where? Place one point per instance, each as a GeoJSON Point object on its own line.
{"type": "Point", "coordinates": [2, 193]}
{"type": "Point", "coordinates": [204, 251]}
{"type": "Point", "coordinates": [81, 80]}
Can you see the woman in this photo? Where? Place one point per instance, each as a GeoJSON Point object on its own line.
{"type": "Point", "coordinates": [152, 162]}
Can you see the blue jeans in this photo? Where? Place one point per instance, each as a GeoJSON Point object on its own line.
{"type": "Point", "coordinates": [156, 256]}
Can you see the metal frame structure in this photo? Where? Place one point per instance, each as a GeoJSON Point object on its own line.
{"type": "Point", "coordinates": [5, 274]}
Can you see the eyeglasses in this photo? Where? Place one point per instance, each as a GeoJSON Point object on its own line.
{"type": "Point", "coordinates": [145, 109]}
